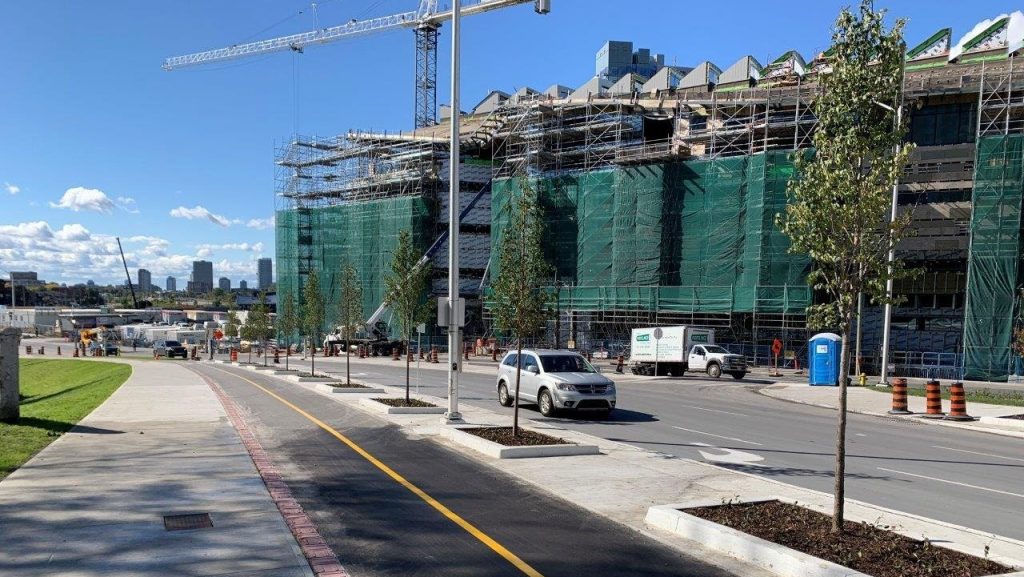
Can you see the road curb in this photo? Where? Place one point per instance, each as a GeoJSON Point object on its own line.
{"type": "Point", "coordinates": [330, 388]}
{"type": "Point", "coordinates": [389, 410]}
{"type": "Point", "coordinates": [498, 451]}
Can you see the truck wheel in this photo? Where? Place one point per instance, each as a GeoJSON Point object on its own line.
{"type": "Point", "coordinates": [504, 399]}
{"type": "Point", "coordinates": [545, 404]}
{"type": "Point", "coordinates": [738, 375]}
{"type": "Point", "coordinates": [714, 371]}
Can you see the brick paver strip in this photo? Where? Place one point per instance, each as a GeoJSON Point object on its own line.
{"type": "Point", "coordinates": [318, 553]}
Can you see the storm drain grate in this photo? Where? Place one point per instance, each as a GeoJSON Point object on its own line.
{"type": "Point", "coordinates": [189, 521]}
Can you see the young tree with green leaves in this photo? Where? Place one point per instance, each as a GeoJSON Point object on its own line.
{"type": "Point", "coordinates": [287, 324]}
{"type": "Point", "coordinates": [841, 198]}
{"type": "Point", "coordinates": [312, 315]}
{"type": "Point", "coordinates": [259, 325]}
{"type": "Point", "coordinates": [406, 288]}
{"type": "Point", "coordinates": [520, 306]}
{"type": "Point", "coordinates": [232, 324]}
{"type": "Point", "coordinates": [350, 311]}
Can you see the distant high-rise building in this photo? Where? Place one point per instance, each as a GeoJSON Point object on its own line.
{"type": "Point", "coordinates": [28, 278]}
{"type": "Point", "coordinates": [243, 285]}
{"type": "Point", "coordinates": [264, 273]}
{"type": "Point", "coordinates": [224, 283]}
{"type": "Point", "coordinates": [202, 277]}
{"type": "Point", "coordinates": [172, 284]}
{"type": "Point", "coordinates": [145, 281]}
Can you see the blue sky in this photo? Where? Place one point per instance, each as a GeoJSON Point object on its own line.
{"type": "Point", "coordinates": [97, 141]}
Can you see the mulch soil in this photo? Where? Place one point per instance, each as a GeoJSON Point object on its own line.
{"type": "Point", "coordinates": [866, 548]}
{"type": "Point", "coordinates": [526, 438]}
{"type": "Point", "coordinates": [1019, 417]}
{"type": "Point", "coordinates": [402, 403]}
{"type": "Point", "coordinates": [347, 385]}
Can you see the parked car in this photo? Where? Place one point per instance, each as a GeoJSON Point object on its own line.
{"type": "Point", "coordinates": [111, 349]}
{"type": "Point", "coordinates": [170, 349]}
{"type": "Point", "coordinates": [555, 380]}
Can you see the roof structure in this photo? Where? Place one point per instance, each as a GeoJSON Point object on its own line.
{"type": "Point", "coordinates": [932, 52]}
{"type": "Point", "coordinates": [704, 76]}
{"type": "Point", "coordinates": [743, 74]}
{"type": "Point", "coordinates": [785, 69]}
{"type": "Point", "coordinates": [491, 102]}
{"type": "Point", "coordinates": [596, 86]}
{"type": "Point", "coordinates": [525, 94]}
{"type": "Point", "coordinates": [558, 91]}
{"type": "Point", "coordinates": [628, 84]}
{"type": "Point", "coordinates": [667, 78]}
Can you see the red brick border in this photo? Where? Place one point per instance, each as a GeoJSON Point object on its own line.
{"type": "Point", "coordinates": [318, 553]}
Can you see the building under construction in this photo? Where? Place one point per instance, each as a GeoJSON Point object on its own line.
{"type": "Point", "coordinates": [660, 187]}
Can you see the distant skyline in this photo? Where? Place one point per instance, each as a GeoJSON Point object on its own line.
{"type": "Point", "coordinates": [99, 142]}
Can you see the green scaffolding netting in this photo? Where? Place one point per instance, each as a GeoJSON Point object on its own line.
{"type": "Point", "coordinates": [693, 236]}
{"type": "Point", "coordinates": [362, 234]}
{"type": "Point", "coordinates": [993, 270]}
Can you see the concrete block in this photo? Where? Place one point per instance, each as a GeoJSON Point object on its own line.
{"type": "Point", "coordinates": [330, 388]}
{"type": "Point", "coordinates": [10, 409]}
{"type": "Point", "coordinates": [389, 410]}
{"type": "Point", "coordinates": [499, 451]}
{"type": "Point", "coordinates": [1008, 423]}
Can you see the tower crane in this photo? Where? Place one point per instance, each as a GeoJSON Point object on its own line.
{"type": "Point", "coordinates": [425, 22]}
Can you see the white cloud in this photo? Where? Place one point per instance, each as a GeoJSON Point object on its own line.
{"type": "Point", "coordinates": [127, 204]}
{"type": "Point", "coordinates": [72, 232]}
{"type": "Point", "coordinates": [198, 212]}
{"type": "Point", "coordinates": [37, 230]}
{"type": "Point", "coordinates": [261, 223]}
{"type": "Point", "coordinates": [204, 252]}
{"type": "Point", "coordinates": [79, 198]}
{"type": "Point", "coordinates": [12, 188]}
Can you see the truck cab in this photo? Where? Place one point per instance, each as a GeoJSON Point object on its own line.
{"type": "Point", "coordinates": [715, 360]}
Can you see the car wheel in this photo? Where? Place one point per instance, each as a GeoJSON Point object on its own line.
{"type": "Point", "coordinates": [545, 404]}
{"type": "Point", "coordinates": [504, 399]}
{"type": "Point", "coordinates": [714, 371]}
{"type": "Point", "coordinates": [738, 376]}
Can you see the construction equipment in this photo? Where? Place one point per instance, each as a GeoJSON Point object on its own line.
{"type": "Point", "coordinates": [135, 303]}
{"type": "Point", "coordinates": [425, 22]}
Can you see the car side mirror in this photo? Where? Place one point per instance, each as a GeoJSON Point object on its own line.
{"type": "Point", "coordinates": [533, 369]}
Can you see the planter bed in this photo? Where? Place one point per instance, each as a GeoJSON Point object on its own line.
{"type": "Point", "coordinates": [307, 378]}
{"type": "Point", "coordinates": [470, 437]}
{"type": "Point", "coordinates": [791, 540]}
{"type": "Point", "coordinates": [344, 388]}
{"type": "Point", "coordinates": [396, 406]}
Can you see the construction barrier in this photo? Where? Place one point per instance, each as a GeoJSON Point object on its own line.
{"type": "Point", "coordinates": [421, 353]}
{"type": "Point", "coordinates": [619, 364]}
{"type": "Point", "coordinates": [494, 354]}
{"type": "Point", "coordinates": [277, 357]}
{"type": "Point", "coordinates": [76, 353]}
{"type": "Point", "coordinates": [42, 350]}
{"type": "Point", "coordinates": [899, 397]}
{"type": "Point", "coordinates": [58, 351]}
{"type": "Point", "coordinates": [933, 400]}
{"type": "Point", "coordinates": [958, 403]}
{"type": "Point", "coordinates": [28, 349]}
{"type": "Point", "coordinates": [234, 355]}
{"type": "Point", "coordinates": [466, 351]}
{"type": "Point", "coordinates": [433, 354]}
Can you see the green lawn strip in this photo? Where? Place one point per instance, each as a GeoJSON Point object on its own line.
{"type": "Point", "coordinates": [986, 396]}
{"type": "Point", "coordinates": [55, 395]}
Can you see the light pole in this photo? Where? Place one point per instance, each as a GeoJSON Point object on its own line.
{"type": "Point", "coordinates": [887, 321]}
{"type": "Point", "coordinates": [452, 415]}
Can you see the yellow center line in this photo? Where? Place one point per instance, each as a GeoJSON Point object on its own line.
{"type": "Point", "coordinates": [451, 515]}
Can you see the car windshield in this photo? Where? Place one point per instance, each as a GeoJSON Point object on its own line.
{"type": "Point", "coordinates": [172, 344]}
{"type": "Point", "coordinates": [565, 364]}
{"type": "Point", "coordinates": [715, 349]}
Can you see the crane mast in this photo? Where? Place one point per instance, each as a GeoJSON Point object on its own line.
{"type": "Point", "coordinates": [425, 22]}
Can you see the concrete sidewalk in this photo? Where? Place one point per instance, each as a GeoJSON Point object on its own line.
{"type": "Point", "coordinates": [869, 402]}
{"type": "Point", "coordinates": [93, 502]}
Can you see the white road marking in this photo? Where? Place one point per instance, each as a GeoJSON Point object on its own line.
{"type": "Point", "coordinates": [969, 486]}
{"type": "Point", "coordinates": [977, 453]}
{"type": "Point", "coordinates": [859, 435]}
{"type": "Point", "coordinates": [717, 436]}
{"type": "Point", "coordinates": [733, 457]}
{"type": "Point", "coordinates": [714, 410]}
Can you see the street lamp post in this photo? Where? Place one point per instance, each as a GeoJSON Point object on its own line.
{"type": "Point", "coordinates": [452, 415]}
{"type": "Point", "coordinates": [887, 321]}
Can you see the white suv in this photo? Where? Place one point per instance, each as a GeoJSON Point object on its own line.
{"type": "Point", "coordinates": [555, 380]}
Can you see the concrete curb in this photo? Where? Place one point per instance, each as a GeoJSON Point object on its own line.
{"type": "Point", "coordinates": [1002, 422]}
{"type": "Point", "coordinates": [773, 557]}
{"type": "Point", "coordinates": [298, 379]}
{"type": "Point", "coordinates": [499, 451]}
{"type": "Point", "coordinates": [329, 388]}
{"type": "Point", "coordinates": [389, 410]}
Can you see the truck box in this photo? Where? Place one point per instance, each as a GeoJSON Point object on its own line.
{"type": "Point", "coordinates": [673, 346]}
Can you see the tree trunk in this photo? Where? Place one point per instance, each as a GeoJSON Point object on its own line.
{"type": "Point", "coordinates": [519, 369]}
{"type": "Point", "coordinates": [287, 351]}
{"type": "Point", "coordinates": [312, 357]}
{"type": "Point", "coordinates": [264, 343]}
{"type": "Point", "coordinates": [840, 472]}
{"type": "Point", "coordinates": [348, 362]}
{"type": "Point", "coordinates": [406, 355]}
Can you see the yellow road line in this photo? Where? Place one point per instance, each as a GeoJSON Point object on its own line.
{"type": "Point", "coordinates": [451, 515]}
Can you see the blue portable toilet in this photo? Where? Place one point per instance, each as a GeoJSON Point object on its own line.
{"type": "Point", "coordinates": [824, 352]}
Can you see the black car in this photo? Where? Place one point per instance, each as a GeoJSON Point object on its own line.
{"type": "Point", "coordinates": [170, 349]}
{"type": "Point", "coordinates": [111, 350]}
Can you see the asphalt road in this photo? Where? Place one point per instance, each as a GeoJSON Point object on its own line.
{"type": "Point", "coordinates": [963, 477]}
{"type": "Point", "coordinates": [379, 527]}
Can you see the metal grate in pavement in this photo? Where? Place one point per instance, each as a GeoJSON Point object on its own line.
{"type": "Point", "coordinates": [188, 521]}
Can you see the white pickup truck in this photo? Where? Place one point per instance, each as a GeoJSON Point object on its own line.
{"type": "Point", "coordinates": [675, 350]}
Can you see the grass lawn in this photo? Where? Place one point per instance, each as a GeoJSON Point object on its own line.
{"type": "Point", "coordinates": [55, 395]}
{"type": "Point", "coordinates": [987, 396]}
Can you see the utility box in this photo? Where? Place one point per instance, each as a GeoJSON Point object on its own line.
{"type": "Point", "coordinates": [823, 363]}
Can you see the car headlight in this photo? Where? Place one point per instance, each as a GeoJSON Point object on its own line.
{"type": "Point", "coordinates": [611, 387]}
{"type": "Point", "coordinates": [565, 387]}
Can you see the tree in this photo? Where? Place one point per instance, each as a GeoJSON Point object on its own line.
{"type": "Point", "coordinates": [232, 324]}
{"type": "Point", "coordinates": [350, 310]}
{"type": "Point", "coordinates": [258, 325]}
{"type": "Point", "coordinates": [840, 201]}
{"type": "Point", "coordinates": [312, 315]}
{"type": "Point", "coordinates": [287, 324]}
{"type": "Point", "coordinates": [520, 306]}
{"type": "Point", "coordinates": [406, 289]}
